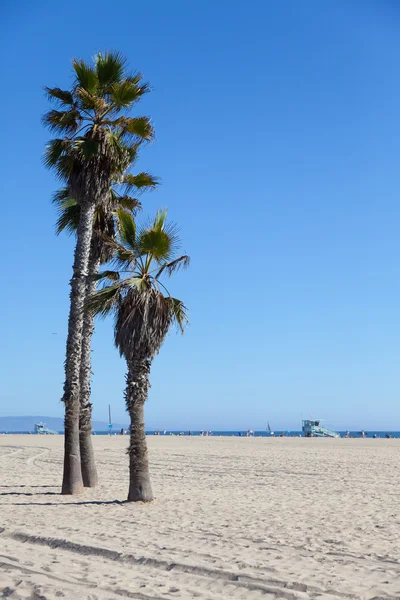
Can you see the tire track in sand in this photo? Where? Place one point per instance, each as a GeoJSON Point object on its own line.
{"type": "Point", "coordinates": [278, 589]}
{"type": "Point", "coordinates": [32, 459]}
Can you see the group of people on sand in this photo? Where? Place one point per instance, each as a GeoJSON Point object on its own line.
{"type": "Point", "coordinates": [363, 434]}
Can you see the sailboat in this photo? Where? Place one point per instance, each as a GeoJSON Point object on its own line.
{"type": "Point", "coordinates": [269, 429]}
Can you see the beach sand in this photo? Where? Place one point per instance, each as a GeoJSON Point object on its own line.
{"type": "Point", "coordinates": [233, 518]}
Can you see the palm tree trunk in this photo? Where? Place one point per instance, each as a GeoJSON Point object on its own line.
{"type": "Point", "coordinates": [137, 381]}
{"type": "Point", "coordinates": [88, 465]}
{"type": "Point", "coordinates": [72, 478]}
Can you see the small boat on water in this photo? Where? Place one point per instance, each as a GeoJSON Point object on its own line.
{"type": "Point", "coordinates": [313, 428]}
{"type": "Point", "coordinates": [269, 429]}
{"type": "Point", "coordinates": [41, 429]}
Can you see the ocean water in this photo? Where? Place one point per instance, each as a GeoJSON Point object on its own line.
{"type": "Point", "coordinates": [356, 434]}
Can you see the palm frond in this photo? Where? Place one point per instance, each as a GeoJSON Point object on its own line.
{"type": "Point", "coordinates": [68, 219]}
{"type": "Point", "coordinates": [54, 150]}
{"type": "Point", "coordinates": [88, 101]}
{"type": "Point", "coordinates": [123, 258]}
{"type": "Point", "coordinates": [173, 266]}
{"type": "Point", "coordinates": [156, 243]}
{"type": "Point", "coordinates": [127, 229]}
{"type": "Point", "coordinates": [62, 121]}
{"type": "Point", "coordinates": [139, 182]}
{"type": "Point", "coordinates": [68, 212]}
{"type": "Point", "coordinates": [104, 301]}
{"type": "Point", "coordinates": [58, 156]}
{"type": "Point", "coordinates": [87, 147]}
{"type": "Point", "coordinates": [60, 196]}
{"type": "Point", "coordinates": [128, 203]}
{"type": "Point", "coordinates": [139, 283]}
{"type": "Point", "coordinates": [124, 94]}
{"type": "Point", "coordinates": [110, 68]}
{"type": "Point", "coordinates": [120, 153]}
{"type": "Point", "coordinates": [159, 219]}
{"type": "Point", "coordinates": [64, 97]}
{"type": "Point", "coordinates": [108, 275]}
{"type": "Point", "coordinates": [134, 129]}
{"type": "Point", "coordinates": [86, 76]}
{"type": "Point", "coordinates": [170, 230]}
{"type": "Point", "coordinates": [179, 312]}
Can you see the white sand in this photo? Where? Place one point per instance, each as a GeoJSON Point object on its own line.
{"type": "Point", "coordinates": [233, 518]}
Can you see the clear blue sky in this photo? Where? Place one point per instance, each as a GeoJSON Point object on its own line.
{"type": "Point", "coordinates": [278, 144]}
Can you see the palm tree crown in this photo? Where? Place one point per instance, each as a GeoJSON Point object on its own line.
{"type": "Point", "coordinates": [97, 133]}
{"type": "Point", "coordinates": [143, 306]}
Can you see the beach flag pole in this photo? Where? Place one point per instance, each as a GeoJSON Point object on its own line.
{"type": "Point", "coordinates": [109, 419]}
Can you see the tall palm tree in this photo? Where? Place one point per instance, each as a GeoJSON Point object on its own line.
{"type": "Point", "coordinates": [91, 117]}
{"type": "Point", "coordinates": [144, 311]}
{"type": "Point", "coordinates": [100, 253]}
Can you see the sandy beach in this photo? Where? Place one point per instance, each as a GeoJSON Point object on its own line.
{"type": "Point", "coordinates": [233, 518]}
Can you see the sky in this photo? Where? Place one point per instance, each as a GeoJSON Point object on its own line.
{"type": "Point", "coordinates": [278, 146]}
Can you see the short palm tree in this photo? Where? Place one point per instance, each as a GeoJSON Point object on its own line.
{"type": "Point", "coordinates": [99, 139]}
{"type": "Point", "coordinates": [144, 312]}
{"type": "Point", "coordinates": [100, 253]}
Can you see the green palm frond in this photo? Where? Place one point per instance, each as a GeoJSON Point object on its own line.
{"type": "Point", "coordinates": [54, 151]}
{"type": "Point", "coordinates": [63, 121]}
{"type": "Point", "coordinates": [64, 97]}
{"type": "Point", "coordinates": [124, 94]}
{"type": "Point", "coordinates": [156, 243]}
{"type": "Point", "coordinates": [68, 220]}
{"type": "Point", "coordinates": [159, 239]}
{"type": "Point", "coordinates": [127, 229]}
{"type": "Point", "coordinates": [127, 203]}
{"type": "Point", "coordinates": [134, 129]}
{"type": "Point", "coordinates": [104, 301]}
{"type": "Point", "coordinates": [68, 212]}
{"type": "Point", "coordinates": [159, 219]}
{"type": "Point", "coordinates": [123, 257]}
{"type": "Point", "coordinates": [86, 76]}
{"type": "Point", "coordinates": [62, 195]}
{"type": "Point", "coordinates": [139, 181]}
{"type": "Point", "coordinates": [59, 157]}
{"type": "Point", "coordinates": [88, 101]}
{"type": "Point", "coordinates": [173, 266]}
{"type": "Point", "coordinates": [120, 153]}
{"type": "Point", "coordinates": [138, 283]}
{"type": "Point", "coordinates": [110, 68]}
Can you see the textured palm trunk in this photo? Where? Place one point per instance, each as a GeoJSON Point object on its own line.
{"type": "Point", "coordinates": [135, 395]}
{"type": "Point", "coordinates": [88, 464]}
{"type": "Point", "coordinates": [72, 478]}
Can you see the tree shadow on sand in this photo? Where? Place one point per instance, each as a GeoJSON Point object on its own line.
{"type": "Point", "coordinates": [29, 493]}
{"type": "Point", "coordinates": [87, 502]}
{"type": "Point", "coordinates": [27, 486]}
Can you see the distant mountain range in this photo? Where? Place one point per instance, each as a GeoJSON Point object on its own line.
{"type": "Point", "coordinates": [11, 424]}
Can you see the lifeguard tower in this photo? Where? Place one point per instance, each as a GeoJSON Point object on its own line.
{"type": "Point", "coordinates": [313, 428]}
